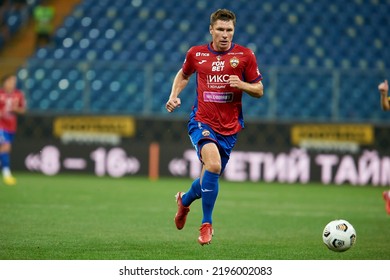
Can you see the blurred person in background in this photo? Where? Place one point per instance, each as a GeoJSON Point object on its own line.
{"type": "Point", "coordinates": [43, 16]}
{"type": "Point", "coordinates": [12, 103]}
{"type": "Point", "coordinates": [224, 71]}
{"type": "Point", "coordinates": [385, 104]}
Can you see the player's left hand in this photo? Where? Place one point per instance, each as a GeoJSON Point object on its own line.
{"type": "Point", "coordinates": [234, 81]}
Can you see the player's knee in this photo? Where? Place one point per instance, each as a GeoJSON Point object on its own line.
{"type": "Point", "coordinates": [214, 167]}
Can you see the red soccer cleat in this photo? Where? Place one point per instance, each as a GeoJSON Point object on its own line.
{"type": "Point", "coordinates": [182, 211]}
{"type": "Point", "coordinates": [206, 233]}
{"type": "Point", "coordinates": [386, 197]}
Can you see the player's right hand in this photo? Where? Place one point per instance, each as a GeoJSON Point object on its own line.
{"type": "Point", "coordinates": [172, 104]}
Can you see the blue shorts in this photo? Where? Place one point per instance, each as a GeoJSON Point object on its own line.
{"type": "Point", "coordinates": [6, 137]}
{"type": "Point", "coordinates": [201, 134]}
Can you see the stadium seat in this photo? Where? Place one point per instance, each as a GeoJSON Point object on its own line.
{"type": "Point", "coordinates": [130, 51]}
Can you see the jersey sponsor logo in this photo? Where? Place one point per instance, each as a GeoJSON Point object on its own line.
{"type": "Point", "coordinates": [218, 97]}
{"type": "Point", "coordinates": [202, 54]}
{"type": "Point", "coordinates": [217, 66]}
{"type": "Point", "coordinates": [218, 79]}
{"type": "Point", "coordinates": [234, 61]}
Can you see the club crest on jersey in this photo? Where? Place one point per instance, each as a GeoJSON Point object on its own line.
{"type": "Point", "coordinates": [218, 57]}
{"type": "Point", "coordinates": [205, 133]}
{"type": "Point", "coordinates": [234, 61]}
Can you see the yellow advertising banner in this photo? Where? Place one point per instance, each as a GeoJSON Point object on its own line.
{"type": "Point", "coordinates": [119, 125]}
{"type": "Point", "coordinates": [362, 134]}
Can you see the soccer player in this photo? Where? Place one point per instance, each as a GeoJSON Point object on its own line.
{"type": "Point", "coordinates": [385, 104]}
{"type": "Point", "coordinates": [12, 102]}
{"type": "Point", "coordinates": [224, 71]}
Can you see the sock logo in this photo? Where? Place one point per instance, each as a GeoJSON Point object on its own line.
{"type": "Point", "coordinates": [206, 190]}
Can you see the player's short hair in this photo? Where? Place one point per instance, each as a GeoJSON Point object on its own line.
{"type": "Point", "coordinates": [6, 77]}
{"type": "Point", "coordinates": [222, 14]}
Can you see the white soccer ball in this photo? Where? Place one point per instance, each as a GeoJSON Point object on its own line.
{"type": "Point", "coordinates": [339, 235]}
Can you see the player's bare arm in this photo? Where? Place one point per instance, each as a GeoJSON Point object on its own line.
{"type": "Point", "coordinates": [255, 90]}
{"type": "Point", "coordinates": [384, 90]}
{"type": "Point", "coordinates": [19, 110]}
{"type": "Point", "coordinates": [179, 83]}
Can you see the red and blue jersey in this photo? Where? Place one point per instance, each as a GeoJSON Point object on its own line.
{"type": "Point", "coordinates": [9, 101]}
{"type": "Point", "coordinates": [218, 104]}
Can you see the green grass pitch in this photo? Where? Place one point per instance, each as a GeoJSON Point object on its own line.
{"type": "Point", "coordinates": [83, 217]}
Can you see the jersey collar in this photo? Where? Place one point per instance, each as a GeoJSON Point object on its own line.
{"type": "Point", "coordinates": [210, 48]}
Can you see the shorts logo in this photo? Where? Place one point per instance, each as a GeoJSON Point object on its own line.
{"type": "Point", "coordinates": [234, 61]}
{"type": "Point", "coordinates": [205, 132]}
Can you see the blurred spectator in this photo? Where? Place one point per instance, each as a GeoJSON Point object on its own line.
{"type": "Point", "coordinates": [43, 16]}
